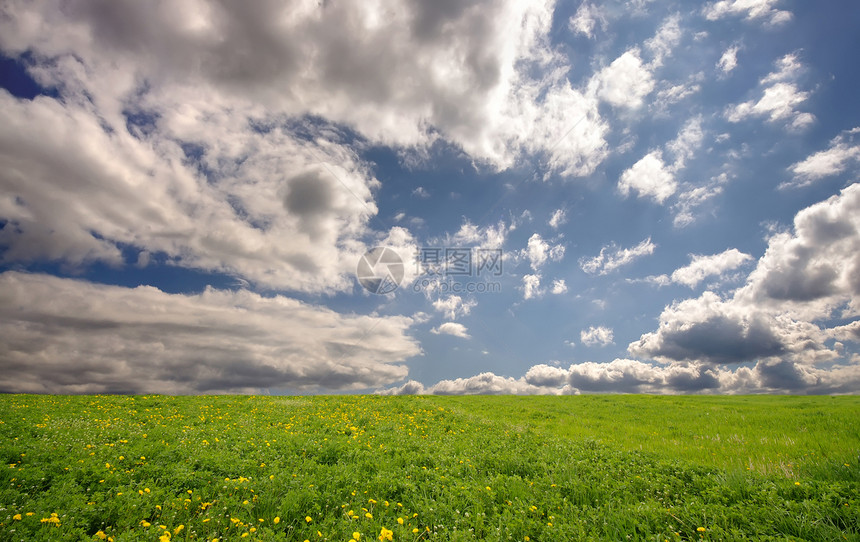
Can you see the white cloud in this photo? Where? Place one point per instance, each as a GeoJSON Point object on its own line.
{"type": "Point", "coordinates": [779, 100]}
{"type": "Point", "coordinates": [482, 384]}
{"type": "Point", "coordinates": [751, 9]}
{"type": "Point", "coordinates": [586, 19]}
{"type": "Point", "coordinates": [538, 251]}
{"type": "Point", "coordinates": [453, 306]}
{"type": "Point", "coordinates": [69, 336]}
{"type": "Point", "coordinates": [634, 376]}
{"type": "Point", "coordinates": [421, 192]}
{"type": "Point", "coordinates": [491, 236]}
{"type": "Point", "coordinates": [649, 177]}
{"type": "Point", "coordinates": [805, 278]}
{"type": "Point", "coordinates": [670, 94]}
{"type": "Point", "coordinates": [842, 153]}
{"type": "Point", "coordinates": [729, 59]}
{"type": "Point", "coordinates": [558, 287]}
{"type": "Point", "coordinates": [531, 286]}
{"type": "Point", "coordinates": [559, 217]}
{"type": "Point", "coordinates": [788, 67]}
{"type": "Point", "coordinates": [777, 103]}
{"type": "Point", "coordinates": [290, 214]}
{"type": "Point", "coordinates": [693, 198]}
{"type": "Point", "coordinates": [452, 328]}
{"type": "Point", "coordinates": [702, 267]}
{"type": "Point", "coordinates": [688, 141]}
{"type": "Point", "coordinates": [625, 82]}
{"type": "Point", "coordinates": [612, 257]}
{"type": "Point", "coordinates": [486, 80]}
{"type": "Point", "coordinates": [665, 40]}
{"type": "Point", "coordinates": [596, 336]}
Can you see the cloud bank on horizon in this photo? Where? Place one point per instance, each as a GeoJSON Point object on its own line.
{"type": "Point", "coordinates": [642, 196]}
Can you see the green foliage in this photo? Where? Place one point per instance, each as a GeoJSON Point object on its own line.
{"type": "Point", "coordinates": [428, 468]}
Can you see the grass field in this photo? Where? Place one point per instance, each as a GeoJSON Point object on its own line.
{"type": "Point", "coordinates": [429, 468]}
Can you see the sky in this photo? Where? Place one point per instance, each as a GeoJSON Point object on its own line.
{"type": "Point", "coordinates": [403, 196]}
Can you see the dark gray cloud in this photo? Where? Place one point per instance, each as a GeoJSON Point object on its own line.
{"type": "Point", "coordinates": [68, 336]}
{"type": "Point", "coordinates": [805, 277]}
{"type": "Point", "coordinates": [718, 339]}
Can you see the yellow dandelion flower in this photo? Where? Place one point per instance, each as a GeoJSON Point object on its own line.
{"type": "Point", "coordinates": [101, 535]}
{"type": "Point", "coordinates": [400, 521]}
{"type": "Point", "coordinates": [356, 535]}
{"type": "Point", "coordinates": [386, 534]}
{"type": "Point", "coordinates": [368, 515]}
{"type": "Point", "coordinates": [700, 529]}
{"type": "Point", "coordinates": [308, 519]}
{"type": "Point", "coordinates": [276, 520]}
{"type": "Point", "coordinates": [16, 517]}
{"type": "Point", "coordinates": [145, 523]}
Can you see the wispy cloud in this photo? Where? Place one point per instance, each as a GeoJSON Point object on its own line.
{"type": "Point", "coordinates": [612, 257]}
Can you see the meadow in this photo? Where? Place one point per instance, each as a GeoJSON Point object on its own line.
{"type": "Point", "coordinates": [357, 468]}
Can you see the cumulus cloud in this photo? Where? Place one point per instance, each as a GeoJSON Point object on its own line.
{"type": "Point", "coordinates": [764, 10]}
{"type": "Point", "coordinates": [806, 277]}
{"type": "Point", "coordinates": [70, 336]}
{"type": "Point", "coordinates": [649, 177]}
{"type": "Point", "coordinates": [482, 384]}
{"type": "Point", "coordinates": [452, 328]}
{"type": "Point", "coordinates": [558, 287]}
{"type": "Point", "coordinates": [842, 154]}
{"type": "Point", "coordinates": [538, 251]}
{"type": "Point", "coordinates": [596, 336]}
{"type": "Point", "coordinates": [625, 82]}
{"type": "Point", "coordinates": [290, 214]}
{"type": "Point", "coordinates": [202, 123]}
{"type": "Point", "coordinates": [454, 306]}
{"type": "Point", "coordinates": [612, 257]}
{"type": "Point", "coordinates": [779, 99]}
{"type": "Point", "coordinates": [634, 376]}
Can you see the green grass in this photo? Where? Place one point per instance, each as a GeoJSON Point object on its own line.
{"type": "Point", "coordinates": [767, 434]}
{"type": "Point", "coordinates": [429, 468]}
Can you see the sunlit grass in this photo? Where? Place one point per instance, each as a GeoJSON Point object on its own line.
{"type": "Point", "coordinates": [767, 434]}
{"type": "Point", "coordinates": [427, 468]}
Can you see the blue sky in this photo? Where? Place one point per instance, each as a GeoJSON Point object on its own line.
{"type": "Point", "coordinates": [188, 190]}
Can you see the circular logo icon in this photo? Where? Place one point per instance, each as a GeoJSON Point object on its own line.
{"type": "Point", "coordinates": [380, 270]}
